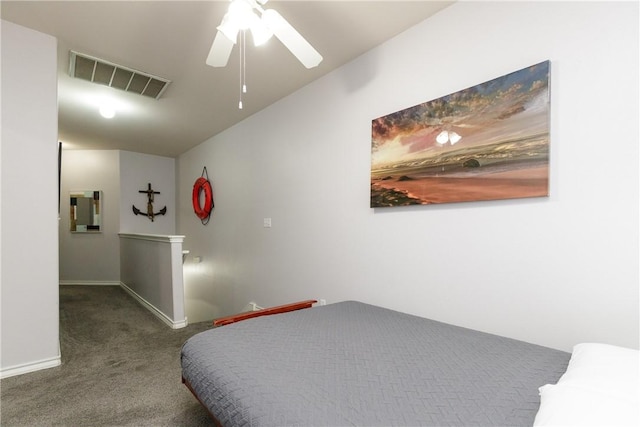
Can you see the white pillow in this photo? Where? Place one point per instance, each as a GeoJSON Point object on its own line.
{"type": "Point", "coordinates": [601, 387]}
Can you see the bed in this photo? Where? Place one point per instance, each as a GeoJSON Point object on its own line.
{"type": "Point", "coordinates": [351, 363]}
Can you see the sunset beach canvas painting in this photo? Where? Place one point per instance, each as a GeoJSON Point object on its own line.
{"type": "Point", "coordinates": [487, 142]}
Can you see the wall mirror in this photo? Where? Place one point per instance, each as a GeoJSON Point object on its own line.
{"type": "Point", "coordinates": [85, 211]}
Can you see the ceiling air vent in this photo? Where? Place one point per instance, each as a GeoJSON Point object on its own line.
{"type": "Point", "coordinates": [109, 74]}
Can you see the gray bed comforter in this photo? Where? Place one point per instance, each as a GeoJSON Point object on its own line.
{"type": "Point", "coordinates": [356, 364]}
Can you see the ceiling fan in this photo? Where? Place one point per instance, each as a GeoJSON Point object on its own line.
{"type": "Point", "coordinates": [264, 24]}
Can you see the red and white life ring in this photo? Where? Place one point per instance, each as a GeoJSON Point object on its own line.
{"type": "Point", "coordinates": [202, 210]}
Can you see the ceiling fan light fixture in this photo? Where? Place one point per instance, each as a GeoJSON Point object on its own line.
{"type": "Point", "coordinates": [260, 32]}
{"type": "Point", "coordinates": [263, 25]}
{"type": "Point", "coordinates": [229, 28]}
{"type": "Point", "coordinates": [241, 13]}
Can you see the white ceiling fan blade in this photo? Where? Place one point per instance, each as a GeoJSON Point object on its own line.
{"type": "Point", "coordinates": [220, 51]}
{"type": "Point", "coordinates": [291, 39]}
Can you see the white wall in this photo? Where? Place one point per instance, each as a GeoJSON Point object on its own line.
{"type": "Point", "coordinates": [136, 172]}
{"type": "Point", "coordinates": [29, 290]}
{"type": "Point", "coordinates": [554, 271]}
{"type": "Point", "coordinates": [91, 258]}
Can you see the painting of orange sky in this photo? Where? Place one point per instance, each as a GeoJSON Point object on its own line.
{"type": "Point", "coordinates": [487, 142]}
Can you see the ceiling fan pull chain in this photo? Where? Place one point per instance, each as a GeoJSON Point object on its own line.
{"type": "Point", "coordinates": [240, 102]}
{"type": "Point", "coordinates": [241, 67]}
{"type": "Point", "coordinates": [244, 62]}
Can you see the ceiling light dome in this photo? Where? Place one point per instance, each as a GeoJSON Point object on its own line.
{"type": "Point", "coordinates": [107, 111]}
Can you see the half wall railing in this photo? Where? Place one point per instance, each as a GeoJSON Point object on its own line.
{"type": "Point", "coordinates": [151, 272]}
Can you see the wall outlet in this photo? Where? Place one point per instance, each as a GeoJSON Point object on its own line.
{"type": "Point", "coordinates": [255, 307]}
{"type": "Point", "coordinates": [323, 302]}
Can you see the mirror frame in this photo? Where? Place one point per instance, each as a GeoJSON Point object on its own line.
{"type": "Point", "coordinates": [95, 198]}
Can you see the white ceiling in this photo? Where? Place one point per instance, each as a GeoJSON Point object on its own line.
{"type": "Point", "coordinates": [171, 39]}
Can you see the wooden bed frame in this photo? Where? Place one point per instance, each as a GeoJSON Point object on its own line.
{"type": "Point", "coordinates": [264, 312]}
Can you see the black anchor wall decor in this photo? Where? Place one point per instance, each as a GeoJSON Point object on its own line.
{"type": "Point", "coordinates": [150, 214]}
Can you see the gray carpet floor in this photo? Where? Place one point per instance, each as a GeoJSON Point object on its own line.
{"type": "Point", "coordinates": [120, 367]}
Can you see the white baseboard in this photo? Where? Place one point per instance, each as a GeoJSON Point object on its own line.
{"type": "Point", "coordinates": [159, 314]}
{"type": "Point", "coordinates": [26, 368]}
{"type": "Point", "coordinates": [89, 283]}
